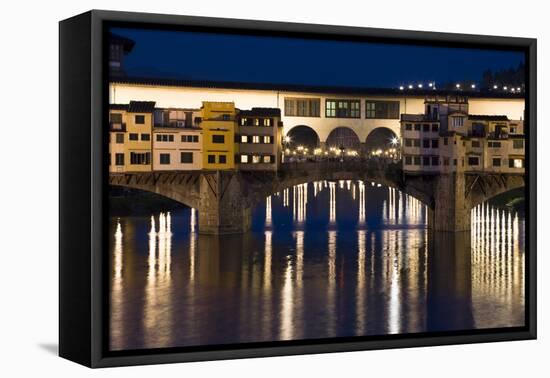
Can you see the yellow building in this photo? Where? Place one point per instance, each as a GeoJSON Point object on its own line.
{"type": "Point", "coordinates": [218, 125]}
{"type": "Point", "coordinates": [130, 145]}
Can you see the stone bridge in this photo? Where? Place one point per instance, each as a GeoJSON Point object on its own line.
{"type": "Point", "coordinates": [225, 199]}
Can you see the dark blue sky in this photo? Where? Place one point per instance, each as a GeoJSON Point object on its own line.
{"type": "Point", "coordinates": [203, 56]}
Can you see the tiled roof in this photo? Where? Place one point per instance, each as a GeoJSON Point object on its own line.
{"type": "Point", "coordinates": [118, 106]}
{"type": "Point", "coordinates": [141, 106]}
{"type": "Point", "coordinates": [305, 88]}
{"type": "Point", "coordinates": [483, 117]}
{"type": "Point", "coordinates": [417, 118]}
{"type": "Point", "coordinates": [261, 112]}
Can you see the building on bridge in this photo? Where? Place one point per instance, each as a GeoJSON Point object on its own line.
{"type": "Point", "coordinates": [130, 129]}
{"type": "Point", "coordinates": [259, 139]}
{"type": "Point", "coordinates": [326, 116]}
{"type": "Point", "coordinates": [219, 123]}
{"type": "Point", "coordinates": [177, 139]}
{"type": "Point", "coordinates": [446, 139]}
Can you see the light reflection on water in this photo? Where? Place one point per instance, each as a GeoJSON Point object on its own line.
{"type": "Point", "coordinates": [327, 259]}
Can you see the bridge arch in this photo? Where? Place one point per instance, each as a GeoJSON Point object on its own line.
{"type": "Point", "coordinates": [381, 138]}
{"type": "Point", "coordinates": [343, 137]}
{"type": "Point", "coordinates": [302, 135]}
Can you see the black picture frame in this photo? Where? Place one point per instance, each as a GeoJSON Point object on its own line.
{"type": "Point", "coordinates": [82, 180]}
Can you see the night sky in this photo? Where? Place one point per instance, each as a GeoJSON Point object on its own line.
{"type": "Point", "coordinates": [202, 56]}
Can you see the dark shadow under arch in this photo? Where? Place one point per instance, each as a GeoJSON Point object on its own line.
{"type": "Point", "coordinates": [343, 137]}
{"type": "Point", "coordinates": [302, 135]}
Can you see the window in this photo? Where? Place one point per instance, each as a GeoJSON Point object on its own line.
{"type": "Point", "coordinates": [518, 144]}
{"type": "Point", "coordinates": [267, 122]}
{"type": "Point", "coordinates": [445, 141]}
{"type": "Point", "coordinates": [244, 158]}
{"type": "Point", "coordinates": [408, 160]}
{"type": "Point", "coordinates": [164, 159]}
{"type": "Point", "coordinates": [493, 144]}
{"type": "Point", "coordinates": [256, 122]}
{"type": "Point", "coordinates": [476, 144]}
{"type": "Point", "coordinates": [408, 126]}
{"type": "Point", "coordinates": [416, 127]}
{"type": "Point", "coordinates": [515, 163]}
{"type": "Point", "coordinates": [425, 127]}
{"type": "Point", "coordinates": [119, 159]}
{"type": "Point", "coordinates": [256, 139]}
{"type": "Point", "coordinates": [426, 160]}
{"type": "Point", "coordinates": [454, 162]}
{"type": "Point", "coordinates": [435, 160]}
{"type": "Point", "coordinates": [140, 158]}
{"type": "Point", "coordinates": [218, 138]}
{"type": "Point", "coordinates": [267, 139]}
{"type": "Point", "coordinates": [416, 160]}
{"type": "Point", "coordinates": [222, 159]}
{"type": "Point", "coordinates": [190, 138]}
{"type": "Point", "coordinates": [416, 142]}
{"type": "Point", "coordinates": [446, 161]}
{"type": "Point", "coordinates": [302, 107]}
{"type": "Point", "coordinates": [145, 137]}
{"type": "Point", "coordinates": [256, 159]}
{"type": "Point", "coordinates": [435, 127]}
{"type": "Point", "coordinates": [473, 160]}
{"type": "Point", "coordinates": [211, 159]}
{"type": "Point", "coordinates": [187, 157]}
{"type": "Point", "coordinates": [435, 143]}
{"type": "Point", "coordinates": [330, 108]}
{"type": "Point", "coordinates": [457, 121]}
{"type": "Point", "coordinates": [115, 117]}
{"type": "Point", "coordinates": [243, 121]}
{"type": "Point", "coordinates": [343, 109]}
{"type": "Point", "coordinates": [382, 109]}
{"type": "Point", "coordinates": [496, 162]}
{"type": "Point", "coordinates": [244, 138]}
{"type": "Point", "coordinates": [425, 143]}
{"type": "Point", "coordinates": [408, 142]}
{"type": "Point", "coordinates": [267, 159]}
{"type": "Point", "coordinates": [133, 136]}
{"type": "Point", "coordinates": [140, 119]}
{"type": "Point", "coordinates": [119, 138]}
{"type": "Point", "coordinates": [165, 138]}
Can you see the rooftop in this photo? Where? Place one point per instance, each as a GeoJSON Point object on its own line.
{"type": "Point", "coordinates": [261, 112]}
{"type": "Point", "coordinates": [415, 92]}
{"type": "Point", "coordinates": [484, 117]}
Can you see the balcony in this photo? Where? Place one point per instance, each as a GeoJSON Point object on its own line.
{"type": "Point", "coordinates": [117, 126]}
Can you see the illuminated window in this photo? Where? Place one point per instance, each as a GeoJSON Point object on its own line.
{"type": "Point", "coordinates": [267, 159]}
{"type": "Point", "coordinates": [256, 122]}
{"type": "Point", "coordinates": [256, 159]}
{"type": "Point", "coordinates": [119, 138]}
{"type": "Point", "coordinates": [302, 107]}
{"type": "Point", "coordinates": [256, 139]}
{"type": "Point", "coordinates": [244, 138]}
{"type": "Point", "coordinates": [516, 163]}
{"type": "Point", "coordinates": [267, 121]}
{"type": "Point", "coordinates": [457, 121]}
{"type": "Point", "coordinates": [267, 139]}
{"type": "Point", "coordinates": [244, 158]}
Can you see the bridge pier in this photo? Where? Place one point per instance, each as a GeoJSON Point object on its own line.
{"type": "Point", "coordinates": [451, 210]}
{"type": "Point", "coordinates": [222, 208]}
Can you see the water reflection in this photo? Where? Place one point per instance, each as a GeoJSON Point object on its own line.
{"type": "Point", "coordinates": [304, 271]}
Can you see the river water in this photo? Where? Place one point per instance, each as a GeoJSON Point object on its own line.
{"type": "Point", "coordinates": [325, 259]}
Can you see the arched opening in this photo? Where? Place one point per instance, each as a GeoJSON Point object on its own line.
{"type": "Point", "coordinates": [344, 138]}
{"type": "Point", "coordinates": [382, 142]}
{"type": "Point", "coordinates": [301, 140]}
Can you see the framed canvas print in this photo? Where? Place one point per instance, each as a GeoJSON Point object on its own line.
{"type": "Point", "coordinates": [233, 188]}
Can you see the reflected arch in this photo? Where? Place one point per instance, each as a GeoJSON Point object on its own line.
{"type": "Point", "coordinates": [343, 137]}
{"type": "Point", "coordinates": [302, 135]}
{"type": "Point", "coordinates": [380, 138]}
